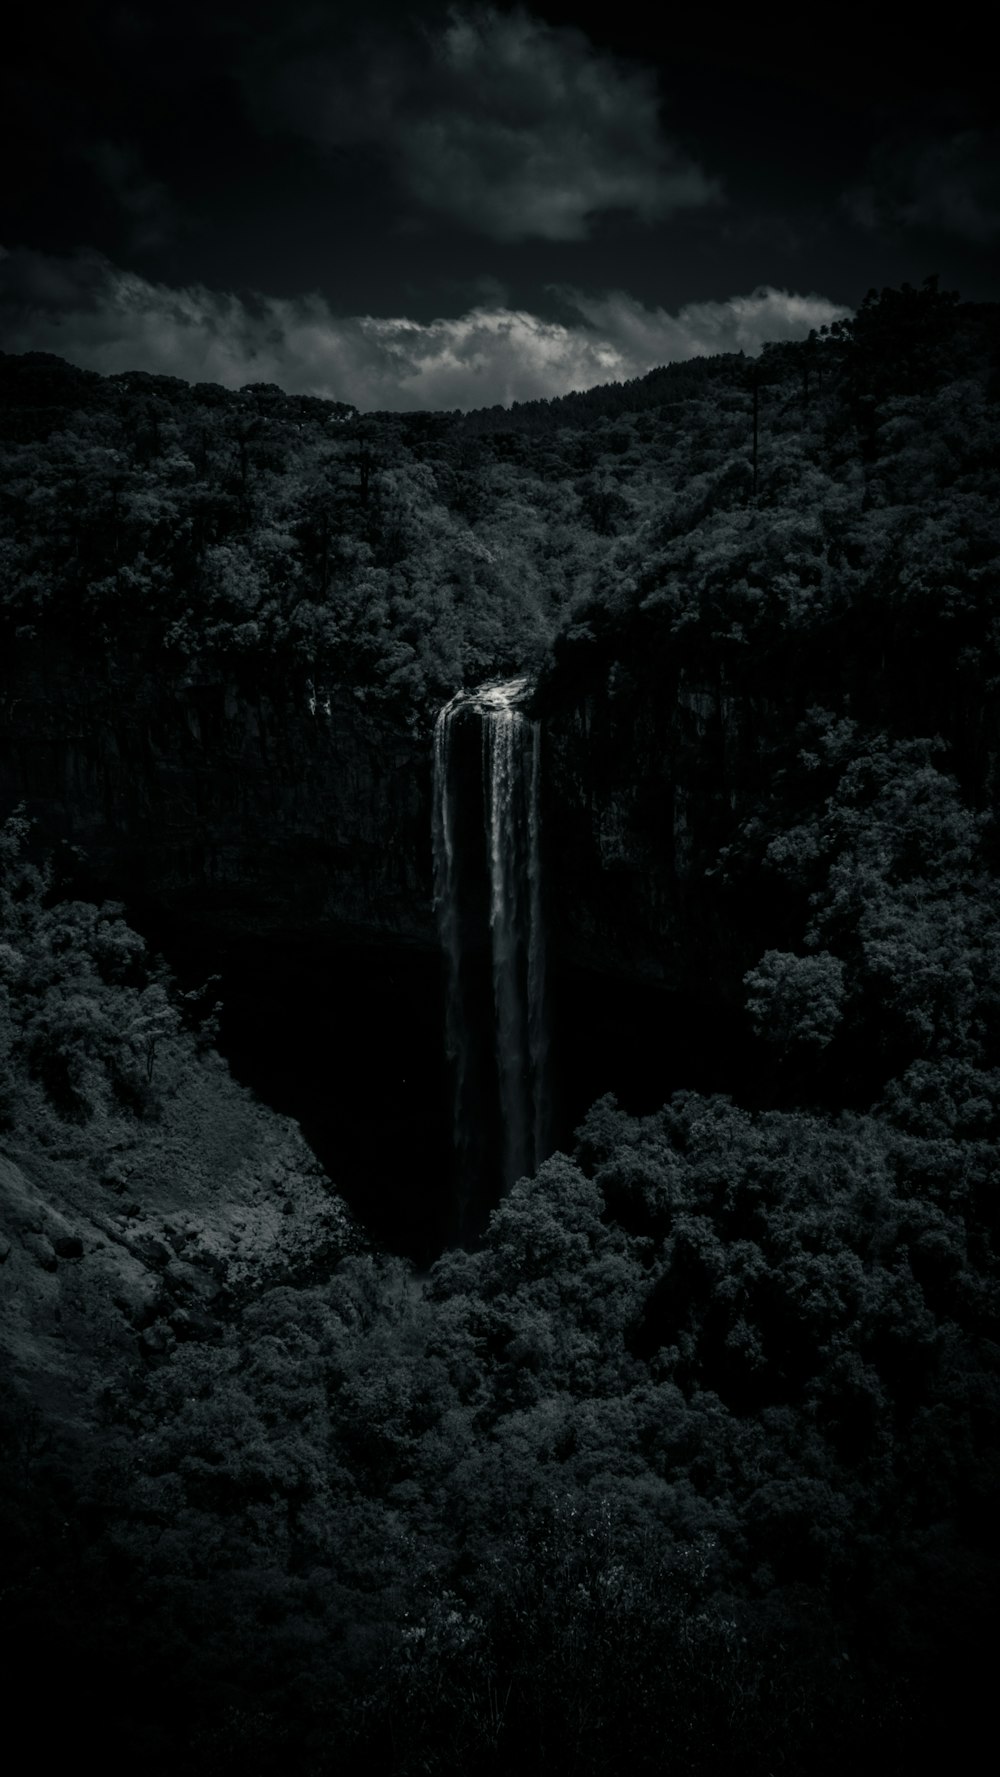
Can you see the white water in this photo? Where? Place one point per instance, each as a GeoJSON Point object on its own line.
{"type": "Point", "coordinates": [511, 859]}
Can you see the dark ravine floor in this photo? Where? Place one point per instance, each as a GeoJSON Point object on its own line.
{"type": "Point", "coordinates": [349, 1040]}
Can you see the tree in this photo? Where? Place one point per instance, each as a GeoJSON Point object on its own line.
{"type": "Point", "coordinates": [796, 1001]}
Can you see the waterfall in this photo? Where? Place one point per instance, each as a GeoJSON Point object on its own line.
{"type": "Point", "coordinates": [488, 897]}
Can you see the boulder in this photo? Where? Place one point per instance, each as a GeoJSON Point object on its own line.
{"type": "Point", "coordinates": [157, 1341]}
{"type": "Point", "coordinates": [152, 1252]}
{"type": "Point", "coordinates": [41, 1250]}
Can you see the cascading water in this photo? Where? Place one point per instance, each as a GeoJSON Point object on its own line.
{"type": "Point", "coordinates": [488, 896]}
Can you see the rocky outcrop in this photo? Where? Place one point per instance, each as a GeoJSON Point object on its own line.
{"type": "Point", "coordinates": [110, 1261]}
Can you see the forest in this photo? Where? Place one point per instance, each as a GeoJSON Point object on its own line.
{"type": "Point", "coordinates": [689, 1464]}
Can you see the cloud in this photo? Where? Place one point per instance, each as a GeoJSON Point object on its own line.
{"type": "Point", "coordinates": [109, 320]}
{"type": "Point", "coordinates": [498, 121]}
{"type": "Point", "coordinates": [950, 184]}
{"type": "Point", "coordinates": [647, 337]}
{"type": "Point", "coordinates": [143, 200]}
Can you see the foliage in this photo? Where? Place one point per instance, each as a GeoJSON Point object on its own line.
{"type": "Point", "coordinates": [91, 1026]}
{"type": "Point", "coordinates": [796, 999]}
{"type": "Point", "coordinates": [212, 532]}
{"type": "Point", "coordinates": [692, 1464]}
{"type": "Point", "coordinates": [698, 1451]}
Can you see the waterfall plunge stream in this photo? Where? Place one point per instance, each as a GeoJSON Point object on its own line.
{"type": "Point", "coordinates": [487, 892]}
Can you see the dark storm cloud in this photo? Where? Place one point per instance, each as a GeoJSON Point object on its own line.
{"type": "Point", "coordinates": [143, 200]}
{"type": "Point", "coordinates": [497, 121]}
{"type": "Point", "coordinates": [107, 319]}
{"type": "Point", "coordinates": [950, 184]}
{"type": "Point", "coordinates": [410, 163]}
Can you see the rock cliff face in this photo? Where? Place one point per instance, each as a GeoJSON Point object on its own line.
{"type": "Point", "coordinates": [642, 785]}
{"type": "Point", "coordinates": [662, 742]}
{"type": "Point", "coordinates": [288, 848]}
{"type": "Point", "coordinates": [110, 1259]}
{"type": "Point", "coordinates": [640, 791]}
{"type": "Point", "coordinates": [285, 849]}
{"type": "Point", "coordinates": [245, 812]}
{"type": "Point", "coordinates": [257, 817]}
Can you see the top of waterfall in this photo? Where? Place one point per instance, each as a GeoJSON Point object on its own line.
{"type": "Point", "coordinates": [502, 693]}
{"type": "Point", "coordinates": [495, 694]}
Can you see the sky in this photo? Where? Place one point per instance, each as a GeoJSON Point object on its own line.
{"type": "Point", "coordinates": [448, 206]}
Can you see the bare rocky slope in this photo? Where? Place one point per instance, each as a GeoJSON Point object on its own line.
{"type": "Point", "coordinates": [121, 1239]}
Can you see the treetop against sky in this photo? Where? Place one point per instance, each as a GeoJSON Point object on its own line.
{"type": "Point", "coordinates": [450, 206]}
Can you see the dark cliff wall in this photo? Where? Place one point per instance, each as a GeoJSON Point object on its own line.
{"type": "Point", "coordinates": [640, 791]}
{"type": "Point", "coordinates": [288, 849]}
{"type": "Point", "coordinates": [667, 760]}
{"type": "Point", "coordinates": [255, 816]}
{"type": "Point", "coordinates": [643, 784]}
{"type": "Point", "coordinates": [285, 851]}
{"type": "Point", "coordinates": [247, 811]}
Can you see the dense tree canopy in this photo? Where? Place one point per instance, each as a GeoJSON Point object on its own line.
{"type": "Point", "coordinates": [691, 1464]}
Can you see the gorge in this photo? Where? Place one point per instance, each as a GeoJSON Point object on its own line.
{"type": "Point", "coordinates": [296, 857]}
{"type": "Point", "coordinates": [296, 853]}
{"type": "Point", "coordinates": [499, 1107]}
